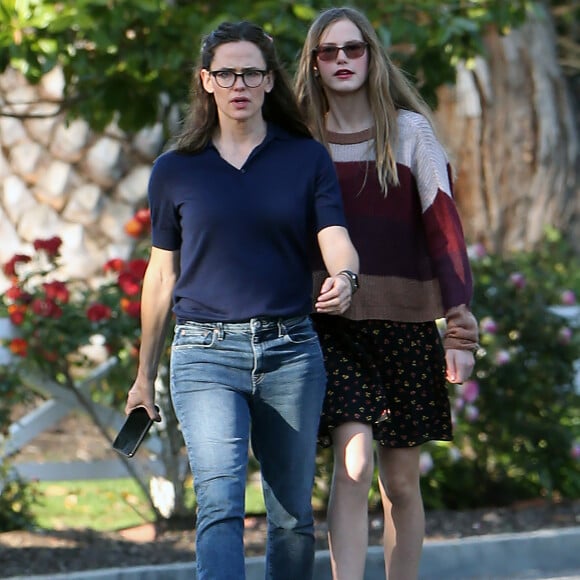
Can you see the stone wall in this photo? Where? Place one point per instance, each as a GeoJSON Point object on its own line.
{"type": "Point", "coordinates": [61, 178]}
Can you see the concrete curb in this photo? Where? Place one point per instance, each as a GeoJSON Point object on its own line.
{"type": "Point", "coordinates": [541, 554]}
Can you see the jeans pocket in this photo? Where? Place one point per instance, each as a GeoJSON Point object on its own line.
{"type": "Point", "coordinates": [301, 332]}
{"type": "Point", "coordinates": [187, 336]}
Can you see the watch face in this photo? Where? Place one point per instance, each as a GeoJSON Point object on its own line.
{"type": "Point", "coordinates": [353, 278]}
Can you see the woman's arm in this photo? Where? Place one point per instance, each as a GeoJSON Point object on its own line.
{"type": "Point", "coordinates": [338, 254]}
{"type": "Point", "coordinates": [156, 301]}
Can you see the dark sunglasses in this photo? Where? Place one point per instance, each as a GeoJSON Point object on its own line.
{"type": "Point", "coordinates": [328, 52]}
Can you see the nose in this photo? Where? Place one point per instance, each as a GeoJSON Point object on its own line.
{"type": "Point", "coordinates": [239, 82]}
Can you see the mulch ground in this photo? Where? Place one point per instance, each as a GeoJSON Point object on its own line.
{"type": "Point", "coordinates": [25, 553]}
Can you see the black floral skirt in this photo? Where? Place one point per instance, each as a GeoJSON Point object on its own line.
{"type": "Point", "coordinates": [390, 375]}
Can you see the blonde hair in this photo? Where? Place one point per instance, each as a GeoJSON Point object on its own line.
{"type": "Point", "coordinates": [390, 90]}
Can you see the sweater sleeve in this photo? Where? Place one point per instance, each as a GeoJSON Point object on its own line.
{"type": "Point", "coordinates": [462, 330]}
{"type": "Point", "coordinates": [445, 238]}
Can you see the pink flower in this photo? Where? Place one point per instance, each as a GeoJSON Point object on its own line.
{"type": "Point", "coordinates": [425, 462]}
{"type": "Point", "coordinates": [454, 454]}
{"type": "Point", "coordinates": [488, 325]}
{"type": "Point", "coordinates": [575, 451]}
{"type": "Point", "coordinates": [470, 391]}
{"type": "Point", "coordinates": [502, 357]}
{"type": "Point", "coordinates": [471, 413]}
{"type": "Point", "coordinates": [518, 280]}
{"type": "Point", "coordinates": [565, 335]}
{"type": "Point", "coordinates": [476, 251]}
{"type": "Point", "coordinates": [568, 298]}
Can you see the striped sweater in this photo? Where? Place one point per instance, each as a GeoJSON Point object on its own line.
{"type": "Point", "coordinates": [413, 259]}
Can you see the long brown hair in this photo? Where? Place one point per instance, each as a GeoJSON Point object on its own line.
{"type": "Point", "coordinates": [390, 90]}
{"type": "Point", "coordinates": [280, 105]}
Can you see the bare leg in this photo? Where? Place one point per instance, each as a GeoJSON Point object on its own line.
{"type": "Point", "coordinates": [348, 503]}
{"type": "Point", "coordinates": [403, 508]}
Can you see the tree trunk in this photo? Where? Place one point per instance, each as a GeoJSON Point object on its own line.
{"type": "Point", "coordinates": [510, 126]}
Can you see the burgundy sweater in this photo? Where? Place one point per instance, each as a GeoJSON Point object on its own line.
{"type": "Point", "coordinates": [413, 259]}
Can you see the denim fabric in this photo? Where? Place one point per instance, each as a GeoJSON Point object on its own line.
{"type": "Point", "coordinates": [263, 380]}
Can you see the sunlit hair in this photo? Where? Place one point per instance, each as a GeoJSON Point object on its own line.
{"type": "Point", "coordinates": [280, 104]}
{"type": "Point", "coordinates": [390, 90]}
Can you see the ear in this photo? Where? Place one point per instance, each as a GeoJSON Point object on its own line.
{"type": "Point", "coordinates": [269, 82]}
{"type": "Point", "coordinates": [206, 80]}
{"type": "Point", "coordinates": [316, 71]}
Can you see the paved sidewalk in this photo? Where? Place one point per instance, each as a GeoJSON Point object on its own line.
{"type": "Point", "coordinates": [545, 554]}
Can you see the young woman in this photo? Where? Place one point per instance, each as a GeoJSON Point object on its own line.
{"type": "Point", "coordinates": [236, 209]}
{"type": "Point", "coordinates": [384, 358]}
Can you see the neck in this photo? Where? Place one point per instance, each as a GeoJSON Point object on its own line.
{"type": "Point", "coordinates": [247, 132]}
{"type": "Point", "coordinates": [348, 113]}
{"type": "Point", "coordinates": [235, 140]}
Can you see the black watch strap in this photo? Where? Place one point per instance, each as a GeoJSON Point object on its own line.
{"type": "Point", "coordinates": [352, 278]}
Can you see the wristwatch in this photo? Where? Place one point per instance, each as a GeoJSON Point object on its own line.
{"type": "Point", "coordinates": [352, 278]}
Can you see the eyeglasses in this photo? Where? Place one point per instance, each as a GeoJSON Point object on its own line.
{"type": "Point", "coordinates": [327, 52]}
{"type": "Point", "coordinates": [226, 78]}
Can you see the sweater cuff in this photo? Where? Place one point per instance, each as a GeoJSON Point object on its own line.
{"type": "Point", "coordinates": [462, 330]}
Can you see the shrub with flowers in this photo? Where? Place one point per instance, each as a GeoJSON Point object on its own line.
{"type": "Point", "coordinates": [61, 329]}
{"type": "Point", "coordinates": [517, 421]}
{"type": "Point", "coordinates": [57, 321]}
{"type": "Point", "coordinates": [65, 327]}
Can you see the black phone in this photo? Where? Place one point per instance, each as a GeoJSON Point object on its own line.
{"type": "Point", "coordinates": [133, 431]}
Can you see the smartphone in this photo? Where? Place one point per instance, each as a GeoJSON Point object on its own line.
{"type": "Point", "coordinates": [133, 431]}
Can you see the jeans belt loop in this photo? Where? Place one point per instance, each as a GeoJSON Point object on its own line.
{"type": "Point", "coordinates": [219, 330]}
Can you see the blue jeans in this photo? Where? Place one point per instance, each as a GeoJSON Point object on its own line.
{"type": "Point", "coordinates": [267, 375]}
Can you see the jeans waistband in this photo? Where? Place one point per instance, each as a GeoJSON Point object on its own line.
{"type": "Point", "coordinates": [253, 324]}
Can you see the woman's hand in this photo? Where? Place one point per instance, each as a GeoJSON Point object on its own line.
{"type": "Point", "coordinates": [142, 394]}
{"type": "Point", "coordinates": [460, 364]}
{"type": "Point", "coordinates": [335, 295]}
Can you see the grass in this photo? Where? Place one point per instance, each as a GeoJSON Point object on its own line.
{"type": "Point", "coordinates": [106, 505]}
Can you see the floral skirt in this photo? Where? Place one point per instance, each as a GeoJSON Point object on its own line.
{"type": "Point", "coordinates": [390, 375]}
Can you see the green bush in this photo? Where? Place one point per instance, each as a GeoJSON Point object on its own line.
{"type": "Point", "coordinates": [17, 499]}
{"type": "Point", "coordinates": [517, 422]}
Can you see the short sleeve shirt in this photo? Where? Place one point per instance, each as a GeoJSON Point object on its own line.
{"type": "Point", "coordinates": [246, 236]}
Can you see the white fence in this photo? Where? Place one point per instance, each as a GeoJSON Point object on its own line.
{"type": "Point", "coordinates": [61, 402]}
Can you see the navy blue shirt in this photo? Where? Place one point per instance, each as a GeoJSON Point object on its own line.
{"type": "Point", "coordinates": [246, 235]}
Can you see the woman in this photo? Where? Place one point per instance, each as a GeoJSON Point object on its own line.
{"type": "Point", "coordinates": [384, 359]}
{"type": "Point", "coordinates": [236, 210]}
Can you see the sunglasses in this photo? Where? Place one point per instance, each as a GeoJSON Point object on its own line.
{"type": "Point", "coordinates": [327, 52]}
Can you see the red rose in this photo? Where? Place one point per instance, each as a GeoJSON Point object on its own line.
{"type": "Point", "coordinates": [137, 267]}
{"type": "Point", "coordinates": [129, 283]}
{"type": "Point", "coordinates": [16, 313]}
{"type": "Point", "coordinates": [114, 265]}
{"type": "Point", "coordinates": [50, 246]}
{"type": "Point", "coordinates": [143, 216]}
{"type": "Point", "coordinates": [131, 307]}
{"type": "Point", "coordinates": [46, 308]}
{"type": "Point", "coordinates": [13, 293]}
{"type": "Point", "coordinates": [97, 312]}
{"type": "Point", "coordinates": [56, 291]}
{"type": "Point", "coordinates": [9, 267]}
{"type": "Point", "coordinates": [19, 347]}
{"type": "Point", "coordinates": [49, 355]}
